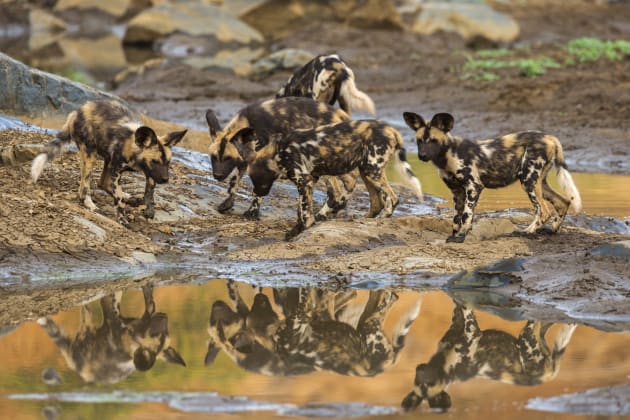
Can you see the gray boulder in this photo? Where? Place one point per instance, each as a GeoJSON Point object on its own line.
{"type": "Point", "coordinates": [190, 18]}
{"type": "Point", "coordinates": [34, 93]}
{"type": "Point", "coordinates": [285, 59]}
{"type": "Point", "coordinates": [468, 19]}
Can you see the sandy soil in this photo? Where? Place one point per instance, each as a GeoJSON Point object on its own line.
{"type": "Point", "coordinates": [48, 242]}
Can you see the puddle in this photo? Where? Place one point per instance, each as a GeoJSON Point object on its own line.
{"type": "Point", "coordinates": [305, 352]}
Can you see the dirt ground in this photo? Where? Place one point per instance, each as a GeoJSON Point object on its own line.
{"type": "Point", "coordinates": [48, 242]}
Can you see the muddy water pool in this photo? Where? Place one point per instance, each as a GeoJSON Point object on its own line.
{"type": "Point", "coordinates": [292, 352]}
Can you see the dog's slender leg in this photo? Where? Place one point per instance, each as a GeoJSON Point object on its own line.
{"type": "Point", "coordinates": [465, 199]}
{"type": "Point", "coordinates": [228, 203]}
{"type": "Point", "coordinates": [149, 303]}
{"type": "Point", "coordinates": [305, 205]}
{"type": "Point", "coordinates": [531, 184]}
{"type": "Point", "coordinates": [149, 202]}
{"type": "Point", "coordinates": [105, 182]}
{"type": "Point", "coordinates": [119, 202]}
{"type": "Point", "coordinates": [253, 212]}
{"type": "Point", "coordinates": [86, 163]}
{"type": "Point", "coordinates": [392, 197]}
{"type": "Point", "coordinates": [376, 204]}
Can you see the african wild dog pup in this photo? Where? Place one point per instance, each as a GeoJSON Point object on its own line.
{"type": "Point", "coordinates": [466, 351]}
{"type": "Point", "coordinates": [316, 330]}
{"type": "Point", "coordinates": [327, 78]}
{"type": "Point", "coordinates": [335, 149]}
{"type": "Point", "coordinates": [468, 167]}
{"type": "Point", "coordinates": [110, 350]}
{"type": "Point", "coordinates": [112, 131]}
{"type": "Point", "coordinates": [267, 121]}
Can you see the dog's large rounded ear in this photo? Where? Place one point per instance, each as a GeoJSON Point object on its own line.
{"type": "Point", "coordinates": [175, 137]}
{"type": "Point", "coordinates": [444, 121]}
{"type": "Point", "coordinates": [411, 401]}
{"type": "Point", "coordinates": [211, 354]}
{"type": "Point", "coordinates": [414, 121]}
{"type": "Point", "coordinates": [441, 401]}
{"type": "Point", "coordinates": [213, 123]}
{"type": "Point", "coordinates": [145, 136]}
{"type": "Point", "coordinates": [172, 356]}
{"type": "Point", "coordinates": [246, 150]}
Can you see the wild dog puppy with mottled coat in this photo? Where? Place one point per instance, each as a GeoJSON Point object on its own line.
{"type": "Point", "coordinates": [112, 131]}
{"type": "Point", "coordinates": [265, 122]}
{"type": "Point", "coordinates": [327, 78]}
{"type": "Point", "coordinates": [315, 330]}
{"type": "Point", "coordinates": [466, 351]}
{"type": "Point", "coordinates": [468, 167]}
{"type": "Point", "coordinates": [336, 149]}
{"type": "Point", "coordinates": [110, 350]}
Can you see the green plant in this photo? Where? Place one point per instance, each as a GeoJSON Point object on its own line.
{"type": "Point", "coordinates": [592, 49]}
{"type": "Point", "coordinates": [500, 52]}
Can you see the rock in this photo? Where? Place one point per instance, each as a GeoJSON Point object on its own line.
{"type": "Point", "coordinates": [36, 94]}
{"type": "Point", "coordinates": [489, 228]}
{"type": "Point", "coordinates": [192, 19]}
{"type": "Point", "coordinates": [238, 60]}
{"type": "Point", "coordinates": [116, 8]}
{"type": "Point", "coordinates": [286, 59]}
{"type": "Point", "coordinates": [42, 21]}
{"type": "Point", "coordinates": [375, 14]}
{"type": "Point", "coordinates": [93, 228]}
{"type": "Point", "coordinates": [469, 20]}
{"type": "Point", "coordinates": [103, 55]}
{"type": "Point", "coordinates": [19, 153]}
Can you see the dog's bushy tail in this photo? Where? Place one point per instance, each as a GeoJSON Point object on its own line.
{"type": "Point", "coordinates": [52, 149]}
{"type": "Point", "coordinates": [566, 180]}
{"type": "Point", "coordinates": [404, 169]}
{"type": "Point", "coordinates": [355, 98]}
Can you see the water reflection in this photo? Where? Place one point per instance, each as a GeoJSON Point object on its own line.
{"type": "Point", "coordinates": [295, 351]}
{"type": "Point", "coordinates": [314, 329]}
{"type": "Point", "coordinates": [111, 351]}
{"type": "Point", "coordinates": [466, 351]}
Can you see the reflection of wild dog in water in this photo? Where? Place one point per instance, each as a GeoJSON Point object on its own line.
{"type": "Point", "coordinates": [317, 330]}
{"type": "Point", "coordinates": [333, 150]}
{"type": "Point", "coordinates": [468, 167]}
{"type": "Point", "coordinates": [465, 352]}
{"type": "Point", "coordinates": [113, 132]}
{"type": "Point", "coordinates": [112, 351]}
{"type": "Point", "coordinates": [266, 121]}
{"type": "Point", "coordinates": [327, 78]}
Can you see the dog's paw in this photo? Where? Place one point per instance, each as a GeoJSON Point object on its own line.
{"type": "Point", "coordinates": [226, 206]}
{"type": "Point", "coordinates": [89, 204]}
{"type": "Point", "coordinates": [544, 231]}
{"type": "Point", "coordinates": [459, 238]}
{"type": "Point", "coordinates": [149, 212]}
{"type": "Point", "coordinates": [252, 214]}
{"type": "Point", "coordinates": [297, 229]}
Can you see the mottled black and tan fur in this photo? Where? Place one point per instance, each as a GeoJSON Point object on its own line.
{"type": "Point", "coordinates": [111, 351]}
{"type": "Point", "coordinates": [468, 167]}
{"type": "Point", "coordinates": [315, 330]}
{"type": "Point", "coordinates": [336, 149]}
{"type": "Point", "coordinates": [327, 78]}
{"type": "Point", "coordinates": [265, 121]}
{"type": "Point", "coordinates": [112, 131]}
{"type": "Point", "coordinates": [466, 351]}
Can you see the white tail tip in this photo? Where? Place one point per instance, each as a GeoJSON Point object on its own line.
{"type": "Point", "coordinates": [38, 166]}
{"type": "Point", "coordinates": [568, 186]}
{"type": "Point", "coordinates": [356, 98]}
